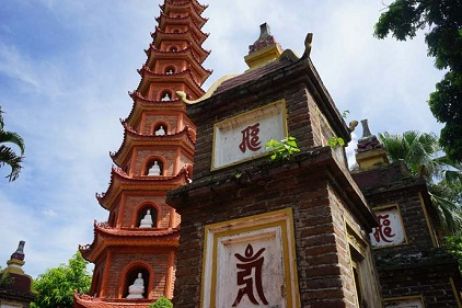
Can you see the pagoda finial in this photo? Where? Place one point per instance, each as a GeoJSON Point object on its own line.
{"type": "Point", "coordinates": [370, 153]}
{"type": "Point", "coordinates": [264, 50]}
{"type": "Point", "coordinates": [17, 260]}
{"type": "Point", "coordinates": [366, 130]}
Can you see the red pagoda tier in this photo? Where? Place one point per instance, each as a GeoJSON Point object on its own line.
{"type": "Point", "coordinates": [134, 251]}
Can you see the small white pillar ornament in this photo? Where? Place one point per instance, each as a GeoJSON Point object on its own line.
{"type": "Point", "coordinates": [146, 222]}
{"type": "Point", "coordinates": [154, 170]}
{"type": "Point", "coordinates": [160, 131]}
{"type": "Point", "coordinates": [136, 290]}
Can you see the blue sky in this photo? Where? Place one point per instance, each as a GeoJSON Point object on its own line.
{"type": "Point", "coordinates": [66, 67]}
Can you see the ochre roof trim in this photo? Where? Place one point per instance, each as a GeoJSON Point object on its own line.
{"type": "Point", "coordinates": [207, 94]}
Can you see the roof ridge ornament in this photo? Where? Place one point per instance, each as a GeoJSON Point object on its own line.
{"type": "Point", "coordinates": [370, 153]}
{"type": "Point", "coordinates": [265, 39]}
{"type": "Point", "coordinates": [366, 130]}
{"type": "Point", "coordinates": [308, 45]}
{"type": "Point", "coordinates": [264, 50]}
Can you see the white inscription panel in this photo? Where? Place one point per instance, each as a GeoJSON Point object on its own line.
{"type": "Point", "coordinates": [250, 262]}
{"type": "Point", "coordinates": [250, 270]}
{"type": "Point", "coordinates": [405, 303]}
{"type": "Point", "coordinates": [390, 231]}
{"type": "Point", "coordinates": [244, 136]}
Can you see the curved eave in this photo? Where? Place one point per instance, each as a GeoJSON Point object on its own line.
{"type": "Point", "coordinates": [196, 33]}
{"type": "Point", "coordinates": [198, 6]}
{"type": "Point", "coordinates": [187, 36]}
{"type": "Point", "coordinates": [87, 301]}
{"type": "Point", "coordinates": [141, 104]}
{"type": "Point", "coordinates": [120, 182]}
{"type": "Point", "coordinates": [185, 139]}
{"type": "Point", "coordinates": [185, 77]}
{"type": "Point", "coordinates": [185, 54]}
{"type": "Point", "coordinates": [105, 237]}
{"type": "Point", "coordinates": [185, 7]}
{"type": "Point", "coordinates": [154, 53]}
{"type": "Point", "coordinates": [164, 20]}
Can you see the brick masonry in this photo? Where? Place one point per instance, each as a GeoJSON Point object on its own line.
{"type": "Point", "coordinates": [310, 185]}
{"type": "Point", "coordinates": [418, 267]}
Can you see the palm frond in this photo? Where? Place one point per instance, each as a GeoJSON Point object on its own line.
{"type": "Point", "coordinates": [9, 157]}
{"type": "Point", "coordinates": [450, 212]}
{"type": "Point", "coordinates": [14, 138]}
{"type": "Point", "coordinates": [2, 123]}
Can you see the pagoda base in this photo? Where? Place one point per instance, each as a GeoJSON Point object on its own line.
{"type": "Point", "coordinates": [86, 301]}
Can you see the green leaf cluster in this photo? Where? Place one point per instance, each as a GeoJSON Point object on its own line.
{"type": "Point", "coordinates": [7, 155]}
{"type": "Point", "coordinates": [162, 302]}
{"type": "Point", "coordinates": [282, 150]}
{"type": "Point", "coordinates": [56, 287]}
{"type": "Point", "coordinates": [443, 21]}
{"type": "Point", "coordinates": [335, 142]}
{"type": "Point", "coordinates": [454, 245]}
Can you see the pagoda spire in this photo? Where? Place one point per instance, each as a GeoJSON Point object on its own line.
{"type": "Point", "coordinates": [155, 156]}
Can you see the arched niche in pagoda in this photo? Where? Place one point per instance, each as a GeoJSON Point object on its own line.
{"type": "Point", "coordinates": [166, 96]}
{"type": "Point", "coordinates": [154, 166]}
{"type": "Point", "coordinates": [147, 209]}
{"type": "Point", "coordinates": [129, 276]}
{"type": "Point", "coordinates": [160, 129]}
{"type": "Point", "coordinates": [170, 70]}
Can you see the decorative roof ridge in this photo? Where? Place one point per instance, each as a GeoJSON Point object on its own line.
{"type": "Point", "coordinates": [212, 89]}
{"type": "Point", "coordinates": [152, 48]}
{"type": "Point", "coordinates": [156, 232]}
{"type": "Point", "coordinates": [189, 30]}
{"type": "Point", "coordinates": [147, 69]}
{"type": "Point", "coordinates": [137, 95]}
{"type": "Point", "coordinates": [103, 228]}
{"type": "Point", "coordinates": [81, 297]}
{"type": "Point", "coordinates": [130, 131]}
{"type": "Point", "coordinates": [185, 73]}
{"type": "Point", "coordinates": [182, 18]}
{"type": "Point", "coordinates": [118, 174]}
{"type": "Point", "coordinates": [184, 3]}
{"type": "Point", "coordinates": [124, 176]}
{"type": "Point", "coordinates": [188, 51]}
{"type": "Point", "coordinates": [185, 131]}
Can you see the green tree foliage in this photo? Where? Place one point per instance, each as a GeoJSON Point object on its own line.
{"type": "Point", "coordinates": [7, 155]}
{"type": "Point", "coordinates": [422, 155]}
{"type": "Point", "coordinates": [454, 245]}
{"type": "Point", "coordinates": [162, 302]}
{"type": "Point", "coordinates": [443, 19]}
{"type": "Point", "coordinates": [55, 288]}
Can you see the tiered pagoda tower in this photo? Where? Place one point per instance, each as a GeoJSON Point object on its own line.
{"type": "Point", "coordinates": [134, 251]}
